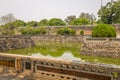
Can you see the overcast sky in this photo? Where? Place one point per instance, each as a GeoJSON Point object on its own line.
{"type": "Point", "coordinates": [28, 10]}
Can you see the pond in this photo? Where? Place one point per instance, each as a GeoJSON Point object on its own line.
{"type": "Point", "coordinates": [60, 50]}
{"type": "Point", "coordinates": [57, 50]}
{"type": "Point", "coordinates": [64, 56]}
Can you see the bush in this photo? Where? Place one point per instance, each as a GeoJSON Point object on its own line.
{"type": "Point", "coordinates": [80, 21]}
{"type": "Point", "coordinates": [66, 31]}
{"type": "Point", "coordinates": [28, 31]}
{"type": "Point", "coordinates": [81, 32]}
{"type": "Point", "coordinates": [56, 22]}
{"type": "Point", "coordinates": [104, 30]}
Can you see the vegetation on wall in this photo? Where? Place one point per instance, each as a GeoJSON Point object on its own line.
{"type": "Point", "coordinates": [29, 31]}
{"type": "Point", "coordinates": [66, 31]}
{"type": "Point", "coordinates": [81, 32]}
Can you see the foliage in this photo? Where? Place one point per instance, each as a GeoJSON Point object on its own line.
{"type": "Point", "coordinates": [66, 31]}
{"type": "Point", "coordinates": [104, 30]}
{"type": "Point", "coordinates": [56, 22]}
{"type": "Point", "coordinates": [19, 23]}
{"type": "Point", "coordinates": [81, 32]}
{"type": "Point", "coordinates": [43, 22]}
{"type": "Point", "coordinates": [69, 19]}
{"type": "Point", "coordinates": [30, 30]}
{"type": "Point", "coordinates": [8, 29]}
{"type": "Point", "coordinates": [80, 21]}
{"type": "Point", "coordinates": [87, 16]}
{"type": "Point", "coordinates": [110, 13]}
{"type": "Point", "coordinates": [32, 24]}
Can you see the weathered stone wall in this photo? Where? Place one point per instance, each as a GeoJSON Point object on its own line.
{"type": "Point", "coordinates": [15, 42]}
{"type": "Point", "coordinates": [101, 47]}
{"type": "Point", "coordinates": [57, 38]}
{"type": "Point", "coordinates": [52, 30]}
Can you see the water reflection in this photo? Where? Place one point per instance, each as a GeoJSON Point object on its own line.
{"type": "Point", "coordinates": [64, 56]}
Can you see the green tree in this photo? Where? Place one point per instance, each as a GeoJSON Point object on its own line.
{"type": "Point", "coordinates": [43, 22]}
{"type": "Point", "coordinates": [69, 19]}
{"type": "Point", "coordinates": [8, 29]}
{"type": "Point", "coordinates": [19, 23]}
{"type": "Point", "coordinates": [110, 13]}
{"type": "Point", "coordinates": [80, 21]}
{"type": "Point", "coordinates": [56, 22]}
{"type": "Point", "coordinates": [104, 30]}
{"type": "Point", "coordinates": [32, 24]}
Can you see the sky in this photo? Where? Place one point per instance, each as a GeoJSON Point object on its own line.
{"type": "Point", "coordinates": [37, 10]}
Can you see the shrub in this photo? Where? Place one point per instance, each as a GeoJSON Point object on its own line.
{"type": "Point", "coordinates": [80, 21]}
{"type": "Point", "coordinates": [104, 30]}
{"type": "Point", "coordinates": [66, 31]}
{"type": "Point", "coordinates": [81, 32]}
{"type": "Point", "coordinates": [56, 22]}
{"type": "Point", "coordinates": [28, 31]}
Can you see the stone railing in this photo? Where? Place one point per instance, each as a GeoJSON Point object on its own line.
{"type": "Point", "coordinates": [73, 70]}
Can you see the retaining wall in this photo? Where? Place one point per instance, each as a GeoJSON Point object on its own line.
{"type": "Point", "coordinates": [15, 42]}
{"type": "Point", "coordinates": [101, 47]}
{"type": "Point", "coordinates": [57, 38]}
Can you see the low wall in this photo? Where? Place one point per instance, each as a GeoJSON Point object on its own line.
{"type": "Point", "coordinates": [15, 42]}
{"type": "Point", "coordinates": [101, 47]}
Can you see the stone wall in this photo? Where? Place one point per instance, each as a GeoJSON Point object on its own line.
{"type": "Point", "coordinates": [15, 42]}
{"type": "Point", "coordinates": [101, 47]}
{"type": "Point", "coordinates": [57, 38]}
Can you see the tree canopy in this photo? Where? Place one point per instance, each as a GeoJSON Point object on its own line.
{"type": "Point", "coordinates": [69, 19]}
{"type": "Point", "coordinates": [43, 22]}
{"type": "Point", "coordinates": [110, 13]}
{"type": "Point", "coordinates": [80, 21]}
{"type": "Point", "coordinates": [32, 23]}
{"type": "Point", "coordinates": [56, 22]}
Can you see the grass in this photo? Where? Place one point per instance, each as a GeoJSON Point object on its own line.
{"type": "Point", "coordinates": [56, 49]}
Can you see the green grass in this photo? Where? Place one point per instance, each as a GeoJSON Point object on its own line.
{"type": "Point", "coordinates": [56, 49]}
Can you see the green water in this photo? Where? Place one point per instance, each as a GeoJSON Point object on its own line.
{"type": "Point", "coordinates": [67, 51]}
{"type": "Point", "coordinates": [61, 50]}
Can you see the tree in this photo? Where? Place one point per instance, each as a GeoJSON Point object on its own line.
{"type": "Point", "coordinates": [104, 30]}
{"type": "Point", "coordinates": [88, 16]}
{"type": "Point", "coordinates": [43, 22]}
{"type": "Point", "coordinates": [32, 24]}
{"type": "Point", "coordinates": [56, 22]}
{"type": "Point", "coordinates": [80, 21]}
{"type": "Point", "coordinates": [110, 13]}
{"type": "Point", "coordinates": [8, 29]}
{"type": "Point", "coordinates": [19, 23]}
{"type": "Point", "coordinates": [7, 18]}
{"type": "Point", "coordinates": [69, 19]}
